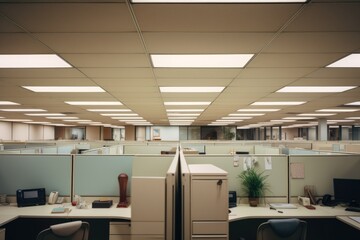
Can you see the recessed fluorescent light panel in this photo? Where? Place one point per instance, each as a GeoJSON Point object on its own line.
{"type": "Point", "coordinates": [67, 89]}
{"type": "Point", "coordinates": [32, 61]}
{"type": "Point", "coordinates": [183, 114]}
{"type": "Point", "coordinates": [184, 110]}
{"type": "Point", "coordinates": [316, 114]}
{"type": "Point", "coordinates": [94, 103]}
{"type": "Point", "coordinates": [108, 110]}
{"type": "Point", "coordinates": [119, 114]}
{"type": "Point", "coordinates": [277, 103]}
{"type": "Point", "coordinates": [16, 120]}
{"type": "Point", "coordinates": [218, 1]}
{"type": "Point", "coordinates": [354, 104]}
{"type": "Point", "coordinates": [259, 110]}
{"type": "Point", "coordinates": [200, 60]}
{"type": "Point", "coordinates": [62, 117]}
{"type": "Point", "coordinates": [8, 103]}
{"type": "Point", "coordinates": [337, 110]}
{"type": "Point", "coordinates": [191, 89]}
{"type": "Point", "coordinates": [298, 118]}
{"type": "Point", "coordinates": [45, 114]}
{"type": "Point", "coordinates": [350, 61]}
{"type": "Point", "coordinates": [315, 89]}
{"type": "Point", "coordinates": [353, 118]}
{"type": "Point", "coordinates": [23, 110]}
{"type": "Point", "coordinates": [187, 103]}
{"type": "Point", "coordinates": [246, 114]}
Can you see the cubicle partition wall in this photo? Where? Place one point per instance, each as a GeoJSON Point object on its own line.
{"type": "Point", "coordinates": [275, 166]}
{"type": "Point", "coordinates": [228, 148]}
{"type": "Point", "coordinates": [319, 171]}
{"type": "Point", "coordinates": [149, 149]}
{"type": "Point", "coordinates": [97, 176]}
{"type": "Point", "coordinates": [185, 198]}
{"type": "Point", "coordinates": [52, 172]}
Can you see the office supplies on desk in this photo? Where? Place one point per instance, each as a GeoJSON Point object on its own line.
{"type": "Point", "coordinates": [357, 219]}
{"type": "Point", "coordinates": [102, 204]}
{"type": "Point", "coordinates": [59, 210]}
{"type": "Point", "coordinates": [232, 199]}
{"type": "Point", "coordinates": [353, 209]}
{"type": "Point", "coordinates": [282, 206]}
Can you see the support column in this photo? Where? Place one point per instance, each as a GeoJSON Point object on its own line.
{"type": "Point", "coordinates": [280, 133]}
{"type": "Point", "coordinates": [322, 130]}
{"type": "Point", "coordinates": [340, 133]}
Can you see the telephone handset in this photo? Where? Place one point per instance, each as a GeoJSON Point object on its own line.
{"type": "Point", "coordinates": [53, 197]}
{"type": "Point", "coordinates": [326, 201]}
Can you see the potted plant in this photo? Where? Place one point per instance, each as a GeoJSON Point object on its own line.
{"type": "Point", "coordinates": [254, 184]}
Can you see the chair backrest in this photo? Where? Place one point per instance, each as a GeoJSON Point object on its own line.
{"type": "Point", "coordinates": [76, 230]}
{"type": "Point", "coordinates": [284, 229]}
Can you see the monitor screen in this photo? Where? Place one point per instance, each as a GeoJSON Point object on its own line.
{"type": "Point", "coordinates": [347, 190]}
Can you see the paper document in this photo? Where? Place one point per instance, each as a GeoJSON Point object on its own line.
{"type": "Point", "coordinates": [282, 206]}
{"type": "Point", "coordinates": [357, 219]}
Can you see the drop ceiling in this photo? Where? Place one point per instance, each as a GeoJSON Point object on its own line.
{"type": "Point", "coordinates": [108, 44]}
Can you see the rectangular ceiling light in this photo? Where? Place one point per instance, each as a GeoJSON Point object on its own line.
{"type": "Point", "coordinates": [353, 118]}
{"type": "Point", "coordinates": [45, 114]}
{"type": "Point", "coordinates": [316, 114]}
{"type": "Point", "coordinates": [8, 103]}
{"type": "Point", "coordinates": [126, 118]}
{"type": "Point", "coordinates": [298, 118]}
{"type": "Point", "coordinates": [315, 89]}
{"type": "Point", "coordinates": [187, 103]}
{"type": "Point", "coordinates": [218, 1]}
{"type": "Point", "coordinates": [337, 110]}
{"type": "Point", "coordinates": [236, 118]}
{"type": "Point", "coordinates": [108, 110]}
{"type": "Point", "coordinates": [23, 110]}
{"type": "Point", "coordinates": [200, 60]}
{"type": "Point", "coordinates": [229, 120]}
{"type": "Point", "coordinates": [184, 110]}
{"type": "Point", "coordinates": [181, 118]}
{"type": "Point", "coordinates": [66, 89]}
{"type": "Point", "coordinates": [62, 117]}
{"type": "Point", "coordinates": [259, 110]}
{"type": "Point", "coordinates": [350, 61]}
{"type": "Point", "coordinates": [277, 103]}
{"type": "Point", "coordinates": [16, 120]}
{"type": "Point", "coordinates": [32, 61]}
{"type": "Point", "coordinates": [119, 114]}
{"type": "Point", "coordinates": [191, 89]}
{"type": "Point", "coordinates": [183, 114]}
{"type": "Point", "coordinates": [353, 104]}
{"type": "Point", "coordinates": [281, 120]}
{"type": "Point", "coordinates": [94, 103]}
{"type": "Point", "coordinates": [246, 114]}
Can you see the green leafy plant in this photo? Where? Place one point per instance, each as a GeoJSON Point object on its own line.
{"type": "Point", "coordinates": [253, 183]}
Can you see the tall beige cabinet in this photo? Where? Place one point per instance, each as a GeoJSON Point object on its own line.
{"type": "Point", "coordinates": [208, 202]}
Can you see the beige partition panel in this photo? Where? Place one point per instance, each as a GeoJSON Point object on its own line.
{"type": "Point", "coordinates": [228, 148]}
{"type": "Point", "coordinates": [149, 149]}
{"type": "Point", "coordinates": [185, 198]}
{"type": "Point", "coordinates": [172, 190]}
{"type": "Point", "coordinates": [277, 179]}
{"type": "Point", "coordinates": [320, 170]}
{"type": "Point", "coordinates": [353, 148]}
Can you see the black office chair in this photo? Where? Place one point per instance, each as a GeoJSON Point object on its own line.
{"type": "Point", "coordinates": [76, 230]}
{"type": "Point", "coordinates": [284, 229]}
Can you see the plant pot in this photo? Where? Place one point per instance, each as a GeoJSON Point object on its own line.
{"type": "Point", "coordinates": [253, 202]}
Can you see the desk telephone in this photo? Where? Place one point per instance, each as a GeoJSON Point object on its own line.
{"type": "Point", "coordinates": [327, 201]}
{"type": "Point", "coordinates": [54, 198]}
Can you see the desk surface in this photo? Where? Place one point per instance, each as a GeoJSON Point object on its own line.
{"type": "Point", "coordinates": [246, 212]}
{"type": "Point", "coordinates": [11, 212]}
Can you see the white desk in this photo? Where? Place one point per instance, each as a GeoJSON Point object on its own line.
{"type": "Point", "coordinates": [349, 221]}
{"type": "Point", "coordinates": [12, 212]}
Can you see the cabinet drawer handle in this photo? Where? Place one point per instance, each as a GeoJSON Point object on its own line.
{"type": "Point", "coordinates": [219, 182]}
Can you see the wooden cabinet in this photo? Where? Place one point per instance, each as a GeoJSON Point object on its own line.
{"type": "Point", "coordinates": [120, 231]}
{"type": "Point", "coordinates": [209, 202]}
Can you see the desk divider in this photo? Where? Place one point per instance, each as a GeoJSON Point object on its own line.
{"type": "Point", "coordinates": [320, 171]}
{"type": "Point", "coordinates": [148, 149]}
{"type": "Point", "coordinates": [227, 148]}
{"type": "Point", "coordinates": [52, 172]}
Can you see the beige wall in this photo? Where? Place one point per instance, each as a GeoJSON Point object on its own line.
{"type": "Point", "coordinates": [49, 133]}
{"type": "Point", "coordinates": [5, 131]}
{"type": "Point", "coordinates": [36, 132]}
{"type": "Point", "coordinates": [129, 133]}
{"type": "Point", "coordinates": [20, 132]}
{"type": "Point", "coordinates": [93, 133]}
{"type": "Point", "coordinates": [24, 132]}
{"type": "Point", "coordinates": [290, 133]}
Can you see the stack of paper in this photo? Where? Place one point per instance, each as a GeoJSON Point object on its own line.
{"type": "Point", "coordinates": [282, 206]}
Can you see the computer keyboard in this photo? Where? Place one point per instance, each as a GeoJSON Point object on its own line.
{"type": "Point", "coordinates": [353, 209]}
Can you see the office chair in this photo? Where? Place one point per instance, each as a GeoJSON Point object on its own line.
{"type": "Point", "coordinates": [76, 230]}
{"type": "Point", "coordinates": [284, 229]}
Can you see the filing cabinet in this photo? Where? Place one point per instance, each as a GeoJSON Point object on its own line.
{"type": "Point", "coordinates": [2, 233]}
{"type": "Point", "coordinates": [120, 231]}
{"type": "Point", "coordinates": [209, 202]}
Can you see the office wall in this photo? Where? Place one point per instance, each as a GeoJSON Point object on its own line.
{"type": "Point", "coordinates": [20, 132]}
{"type": "Point", "coordinates": [36, 132]}
{"type": "Point", "coordinates": [290, 133]}
{"type": "Point", "coordinates": [5, 131]}
{"type": "Point", "coordinates": [49, 133]}
{"type": "Point", "coordinates": [92, 133]}
{"type": "Point", "coordinates": [166, 133]}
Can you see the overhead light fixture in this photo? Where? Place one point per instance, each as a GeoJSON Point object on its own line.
{"type": "Point", "coordinates": [108, 110]}
{"type": "Point", "coordinates": [282, 120]}
{"type": "Point", "coordinates": [342, 120]}
{"type": "Point", "coordinates": [181, 118]}
{"type": "Point", "coordinates": [229, 120]}
{"type": "Point", "coordinates": [350, 61]}
{"type": "Point", "coordinates": [23, 110]}
{"type": "Point", "coordinates": [38, 123]}
{"type": "Point", "coordinates": [237, 118]}
{"type": "Point", "coordinates": [118, 114]}
{"type": "Point", "coordinates": [219, 1]}
{"type": "Point", "coordinates": [64, 89]}
{"type": "Point", "coordinates": [76, 120]}
{"type": "Point", "coordinates": [126, 118]}
{"type": "Point", "coordinates": [183, 114]}
{"type": "Point", "coordinates": [94, 103]}
{"type": "Point", "coordinates": [315, 89]}
{"type": "Point", "coordinates": [277, 103]}
{"type": "Point", "coordinates": [62, 118]}
{"type": "Point", "coordinates": [353, 118]}
{"type": "Point", "coordinates": [316, 114]}
{"type": "Point", "coordinates": [353, 103]}
{"type": "Point", "coordinates": [246, 114]}
{"type": "Point", "coordinates": [32, 61]}
{"type": "Point", "coordinates": [184, 110]}
{"type": "Point", "coordinates": [298, 118]}
{"type": "Point", "coordinates": [191, 89]}
{"type": "Point", "coordinates": [8, 103]}
{"type": "Point", "coordinates": [45, 114]}
{"type": "Point", "coordinates": [15, 120]}
{"type": "Point", "coordinates": [200, 60]}
{"type": "Point", "coordinates": [186, 103]}
{"type": "Point", "coordinates": [259, 110]}
{"type": "Point", "coordinates": [337, 110]}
